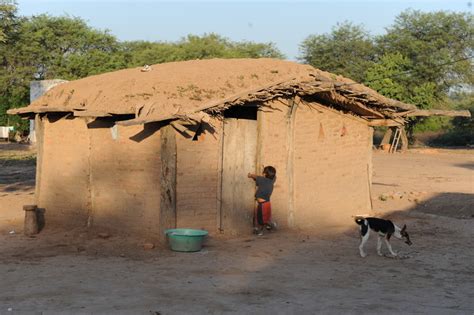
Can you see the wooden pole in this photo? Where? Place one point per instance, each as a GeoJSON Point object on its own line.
{"type": "Point", "coordinates": [168, 154]}
{"type": "Point", "coordinates": [8, 132]}
{"type": "Point", "coordinates": [385, 143]}
{"type": "Point", "coordinates": [290, 136]}
{"type": "Point", "coordinates": [439, 112]}
{"type": "Point", "coordinates": [403, 139]}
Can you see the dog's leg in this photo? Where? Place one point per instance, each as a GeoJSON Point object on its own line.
{"type": "Point", "coordinates": [379, 245]}
{"type": "Point", "coordinates": [390, 247]}
{"type": "Point", "coordinates": [365, 237]}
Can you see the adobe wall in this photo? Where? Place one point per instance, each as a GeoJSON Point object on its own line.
{"type": "Point", "coordinates": [99, 176]}
{"type": "Point", "coordinates": [125, 179]}
{"type": "Point", "coordinates": [332, 165]}
{"type": "Point", "coordinates": [273, 149]}
{"type": "Point", "coordinates": [63, 171]}
{"type": "Point", "coordinates": [198, 180]}
{"type": "Point", "coordinates": [330, 159]}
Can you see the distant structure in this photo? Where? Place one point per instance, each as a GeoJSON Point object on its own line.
{"type": "Point", "coordinates": [37, 89]}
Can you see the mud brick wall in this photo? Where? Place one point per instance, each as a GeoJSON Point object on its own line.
{"type": "Point", "coordinates": [332, 163]}
{"type": "Point", "coordinates": [63, 171]}
{"type": "Point", "coordinates": [273, 149]}
{"type": "Point", "coordinates": [99, 176]}
{"type": "Point", "coordinates": [198, 180]}
{"type": "Point", "coordinates": [125, 179]}
{"type": "Point", "coordinates": [103, 177]}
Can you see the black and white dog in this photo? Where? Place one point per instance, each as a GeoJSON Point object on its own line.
{"type": "Point", "coordinates": [385, 229]}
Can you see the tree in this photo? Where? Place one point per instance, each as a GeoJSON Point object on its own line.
{"type": "Point", "coordinates": [348, 50]}
{"type": "Point", "coordinates": [216, 46]}
{"type": "Point", "coordinates": [9, 33]}
{"type": "Point", "coordinates": [463, 128]}
{"type": "Point", "coordinates": [67, 48]}
{"type": "Point", "coordinates": [424, 57]}
{"type": "Point", "coordinates": [392, 76]}
{"type": "Point", "coordinates": [192, 47]}
{"type": "Point", "coordinates": [8, 19]}
{"type": "Point", "coordinates": [389, 76]}
{"type": "Point", "coordinates": [45, 47]}
{"type": "Point", "coordinates": [139, 53]}
{"type": "Point", "coordinates": [439, 45]}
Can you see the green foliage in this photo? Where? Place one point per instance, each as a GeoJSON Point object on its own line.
{"type": "Point", "coordinates": [392, 76]}
{"type": "Point", "coordinates": [139, 53]}
{"type": "Point", "coordinates": [439, 45]}
{"type": "Point", "coordinates": [389, 76]}
{"type": "Point", "coordinates": [45, 47]}
{"type": "Point", "coordinates": [192, 47]}
{"type": "Point", "coordinates": [421, 58]}
{"type": "Point", "coordinates": [56, 45]}
{"type": "Point", "coordinates": [8, 11]}
{"type": "Point", "coordinates": [9, 92]}
{"type": "Point", "coordinates": [435, 123]}
{"type": "Point", "coordinates": [348, 50]}
{"type": "Point", "coordinates": [462, 128]}
{"type": "Point", "coordinates": [424, 96]}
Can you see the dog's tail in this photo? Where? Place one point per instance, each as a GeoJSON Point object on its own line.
{"type": "Point", "coordinates": [359, 220]}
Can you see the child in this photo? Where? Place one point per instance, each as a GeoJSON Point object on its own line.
{"type": "Point", "coordinates": [263, 213]}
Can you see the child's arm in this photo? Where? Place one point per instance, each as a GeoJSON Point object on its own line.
{"type": "Point", "coordinates": [252, 176]}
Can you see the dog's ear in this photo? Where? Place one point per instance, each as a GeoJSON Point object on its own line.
{"type": "Point", "coordinates": [404, 227]}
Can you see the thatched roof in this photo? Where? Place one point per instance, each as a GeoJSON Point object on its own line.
{"type": "Point", "coordinates": [177, 89]}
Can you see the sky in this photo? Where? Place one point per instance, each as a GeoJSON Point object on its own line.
{"type": "Point", "coordinates": [285, 23]}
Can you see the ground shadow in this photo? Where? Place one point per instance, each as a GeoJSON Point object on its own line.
{"type": "Point", "coordinates": [454, 205]}
{"type": "Point", "coordinates": [17, 174]}
{"type": "Point", "coordinates": [469, 166]}
{"type": "Point", "coordinates": [12, 146]}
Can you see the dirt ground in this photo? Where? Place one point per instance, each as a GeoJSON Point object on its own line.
{"type": "Point", "coordinates": [432, 191]}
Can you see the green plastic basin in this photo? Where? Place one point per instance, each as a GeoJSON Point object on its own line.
{"type": "Point", "coordinates": [186, 240]}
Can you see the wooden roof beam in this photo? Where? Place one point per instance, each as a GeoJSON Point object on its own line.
{"type": "Point", "coordinates": [438, 112]}
{"type": "Point", "coordinates": [385, 123]}
{"type": "Point", "coordinates": [351, 105]}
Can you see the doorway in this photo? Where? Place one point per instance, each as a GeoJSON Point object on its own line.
{"type": "Point", "coordinates": [239, 158]}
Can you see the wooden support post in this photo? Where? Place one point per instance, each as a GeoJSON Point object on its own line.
{"type": "Point", "coordinates": [403, 139]}
{"type": "Point", "coordinates": [370, 165]}
{"type": "Point", "coordinates": [31, 222]}
{"type": "Point", "coordinates": [386, 137]}
{"type": "Point", "coordinates": [167, 180]}
{"type": "Point", "coordinates": [39, 130]}
{"type": "Point", "coordinates": [219, 175]}
{"type": "Point", "coordinates": [290, 135]}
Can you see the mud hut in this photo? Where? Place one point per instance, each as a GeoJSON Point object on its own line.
{"type": "Point", "coordinates": [145, 149]}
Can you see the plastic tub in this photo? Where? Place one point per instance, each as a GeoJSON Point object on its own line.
{"type": "Point", "coordinates": [186, 240]}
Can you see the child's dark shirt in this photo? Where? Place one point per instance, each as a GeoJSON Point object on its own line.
{"type": "Point", "coordinates": [264, 187]}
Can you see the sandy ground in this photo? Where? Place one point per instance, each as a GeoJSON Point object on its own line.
{"type": "Point", "coordinates": [281, 273]}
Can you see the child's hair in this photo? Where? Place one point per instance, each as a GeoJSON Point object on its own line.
{"type": "Point", "coordinates": [269, 172]}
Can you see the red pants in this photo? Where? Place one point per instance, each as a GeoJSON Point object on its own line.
{"type": "Point", "coordinates": [263, 212]}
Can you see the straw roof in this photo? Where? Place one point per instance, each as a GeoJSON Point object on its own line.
{"type": "Point", "coordinates": [178, 89]}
